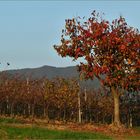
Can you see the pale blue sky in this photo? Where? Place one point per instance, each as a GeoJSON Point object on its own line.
{"type": "Point", "coordinates": [29, 29]}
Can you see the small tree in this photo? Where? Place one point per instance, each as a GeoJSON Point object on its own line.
{"type": "Point", "coordinates": [111, 52]}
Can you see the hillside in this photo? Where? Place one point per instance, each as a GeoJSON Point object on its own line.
{"type": "Point", "coordinates": [52, 72]}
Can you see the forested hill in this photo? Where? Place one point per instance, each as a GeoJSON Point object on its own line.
{"type": "Point", "coordinates": [52, 72]}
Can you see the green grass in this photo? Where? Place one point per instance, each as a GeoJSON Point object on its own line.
{"type": "Point", "coordinates": [11, 128]}
{"type": "Point", "coordinates": [10, 120]}
{"type": "Point", "coordinates": [11, 132]}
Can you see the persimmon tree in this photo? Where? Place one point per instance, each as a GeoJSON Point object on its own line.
{"type": "Point", "coordinates": [110, 51]}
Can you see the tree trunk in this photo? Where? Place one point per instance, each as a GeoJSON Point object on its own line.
{"type": "Point", "coordinates": [64, 115]}
{"type": "Point", "coordinates": [24, 110]}
{"type": "Point", "coordinates": [7, 105]}
{"type": "Point", "coordinates": [29, 109]}
{"type": "Point", "coordinates": [112, 119]}
{"type": "Point", "coordinates": [130, 120]}
{"type": "Point", "coordinates": [11, 112]}
{"type": "Point", "coordinates": [79, 109]}
{"type": "Point", "coordinates": [33, 106]}
{"type": "Point", "coordinates": [44, 110]}
{"type": "Point", "coordinates": [116, 107]}
{"type": "Point", "coordinates": [85, 114]}
{"type": "Point", "coordinates": [46, 114]}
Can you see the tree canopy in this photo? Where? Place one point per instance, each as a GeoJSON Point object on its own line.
{"type": "Point", "coordinates": [111, 49]}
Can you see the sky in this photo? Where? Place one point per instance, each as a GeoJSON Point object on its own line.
{"type": "Point", "coordinates": [29, 29]}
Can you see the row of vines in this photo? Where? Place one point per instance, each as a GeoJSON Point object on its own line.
{"type": "Point", "coordinates": [62, 99]}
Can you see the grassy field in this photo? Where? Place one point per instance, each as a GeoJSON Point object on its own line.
{"type": "Point", "coordinates": [18, 129]}
{"type": "Point", "coordinates": [12, 129]}
{"type": "Point", "coordinates": [12, 132]}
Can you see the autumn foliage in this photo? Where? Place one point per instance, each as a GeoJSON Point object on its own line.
{"type": "Point", "coordinates": [57, 100]}
{"type": "Point", "coordinates": [111, 51]}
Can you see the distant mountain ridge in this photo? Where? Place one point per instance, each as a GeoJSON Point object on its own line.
{"type": "Point", "coordinates": [51, 72]}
